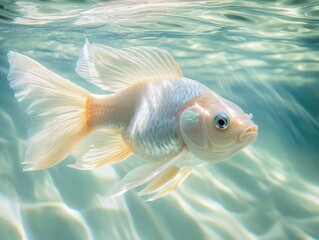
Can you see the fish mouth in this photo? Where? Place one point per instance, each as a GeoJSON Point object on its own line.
{"type": "Point", "coordinates": [249, 134]}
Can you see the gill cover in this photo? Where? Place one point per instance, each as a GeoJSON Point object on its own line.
{"type": "Point", "coordinates": [192, 128]}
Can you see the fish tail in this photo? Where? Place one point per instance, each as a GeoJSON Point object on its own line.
{"type": "Point", "coordinates": [58, 110]}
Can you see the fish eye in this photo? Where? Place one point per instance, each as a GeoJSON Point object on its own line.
{"type": "Point", "coordinates": [221, 120]}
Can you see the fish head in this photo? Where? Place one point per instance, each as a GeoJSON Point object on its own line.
{"type": "Point", "coordinates": [214, 128]}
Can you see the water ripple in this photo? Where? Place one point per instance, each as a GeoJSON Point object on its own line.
{"type": "Point", "coordinates": [263, 55]}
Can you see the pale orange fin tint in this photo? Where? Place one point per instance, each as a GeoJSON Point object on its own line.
{"type": "Point", "coordinates": [56, 107]}
{"type": "Point", "coordinates": [162, 179]}
{"type": "Point", "coordinates": [173, 184]}
{"type": "Point", "coordinates": [114, 69]}
{"type": "Point", "coordinates": [100, 148]}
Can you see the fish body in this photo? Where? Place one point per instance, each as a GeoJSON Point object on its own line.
{"type": "Point", "coordinates": [146, 114]}
{"type": "Point", "coordinates": [154, 112]}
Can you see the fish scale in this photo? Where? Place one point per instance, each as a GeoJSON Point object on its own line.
{"type": "Point", "coordinates": [158, 139]}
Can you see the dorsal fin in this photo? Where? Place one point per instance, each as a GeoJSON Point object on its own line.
{"type": "Point", "coordinates": [113, 69]}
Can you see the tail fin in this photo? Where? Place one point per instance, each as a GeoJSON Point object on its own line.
{"type": "Point", "coordinates": [57, 108]}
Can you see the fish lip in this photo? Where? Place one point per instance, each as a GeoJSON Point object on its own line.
{"type": "Point", "coordinates": [251, 131]}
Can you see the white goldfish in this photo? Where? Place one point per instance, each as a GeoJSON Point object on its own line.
{"type": "Point", "coordinates": [172, 122]}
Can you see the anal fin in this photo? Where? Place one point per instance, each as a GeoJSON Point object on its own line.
{"type": "Point", "coordinates": [100, 148]}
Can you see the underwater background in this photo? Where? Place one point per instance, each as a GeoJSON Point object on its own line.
{"type": "Point", "coordinates": [261, 55]}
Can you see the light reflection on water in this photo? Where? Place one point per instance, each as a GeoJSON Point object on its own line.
{"type": "Point", "coordinates": [264, 56]}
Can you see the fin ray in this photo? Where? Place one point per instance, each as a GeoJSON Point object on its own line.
{"type": "Point", "coordinates": [161, 180]}
{"type": "Point", "coordinates": [100, 148]}
{"type": "Point", "coordinates": [113, 69]}
{"type": "Point", "coordinates": [142, 174]}
{"type": "Point", "coordinates": [56, 107]}
{"type": "Point", "coordinates": [172, 185]}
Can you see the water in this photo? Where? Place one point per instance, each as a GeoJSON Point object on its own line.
{"type": "Point", "coordinates": [262, 55]}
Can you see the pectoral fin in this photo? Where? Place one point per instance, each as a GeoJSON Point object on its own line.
{"type": "Point", "coordinates": [161, 180]}
{"type": "Point", "coordinates": [166, 183]}
{"type": "Point", "coordinates": [143, 174]}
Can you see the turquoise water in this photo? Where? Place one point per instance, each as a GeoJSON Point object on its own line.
{"type": "Point", "coordinates": [262, 55]}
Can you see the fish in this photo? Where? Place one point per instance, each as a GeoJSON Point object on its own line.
{"type": "Point", "coordinates": [147, 109]}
